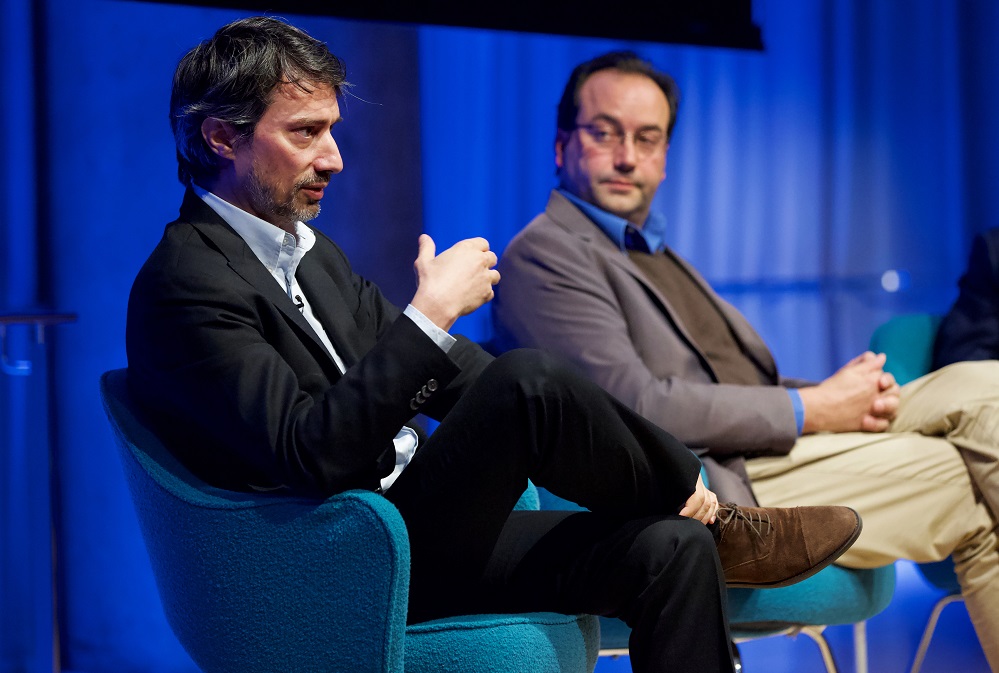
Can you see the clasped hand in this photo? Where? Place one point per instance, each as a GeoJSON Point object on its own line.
{"type": "Point", "coordinates": [861, 396]}
{"type": "Point", "coordinates": [455, 282]}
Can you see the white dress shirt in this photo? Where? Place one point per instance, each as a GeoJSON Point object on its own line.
{"type": "Point", "coordinates": [281, 253]}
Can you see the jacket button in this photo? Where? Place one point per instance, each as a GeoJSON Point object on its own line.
{"type": "Point", "coordinates": [432, 384]}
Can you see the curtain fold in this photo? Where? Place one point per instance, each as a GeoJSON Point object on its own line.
{"type": "Point", "coordinates": [862, 141]}
{"type": "Point", "coordinates": [26, 568]}
{"type": "Point", "coordinates": [797, 177]}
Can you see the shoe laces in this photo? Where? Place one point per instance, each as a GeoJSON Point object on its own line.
{"type": "Point", "coordinates": [759, 522]}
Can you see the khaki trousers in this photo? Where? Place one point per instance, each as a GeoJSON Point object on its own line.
{"type": "Point", "coordinates": [926, 489]}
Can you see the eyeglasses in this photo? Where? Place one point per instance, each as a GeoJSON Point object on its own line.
{"type": "Point", "coordinates": [606, 137]}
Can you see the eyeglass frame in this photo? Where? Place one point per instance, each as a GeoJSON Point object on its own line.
{"type": "Point", "coordinates": [616, 136]}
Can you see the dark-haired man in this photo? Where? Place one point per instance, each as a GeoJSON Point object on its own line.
{"type": "Point", "coordinates": [592, 279]}
{"type": "Point", "coordinates": [267, 364]}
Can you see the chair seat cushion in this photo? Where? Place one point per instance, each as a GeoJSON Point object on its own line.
{"type": "Point", "coordinates": [542, 642]}
{"type": "Point", "coordinates": [836, 595]}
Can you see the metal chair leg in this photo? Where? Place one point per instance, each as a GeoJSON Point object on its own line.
{"type": "Point", "coordinates": [860, 647]}
{"type": "Point", "coordinates": [815, 633]}
{"type": "Point", "coordinates": [613, 652]}
{"type": "Point", "coordinates": [931, 625]}
{"type": "Point", "coordinates": [816, 636]}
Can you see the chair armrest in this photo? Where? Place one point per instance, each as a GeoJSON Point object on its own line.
{"type": "Point", "coordinates": [280, 583]}
{"type": "Point", "coordinates": [529, 499]}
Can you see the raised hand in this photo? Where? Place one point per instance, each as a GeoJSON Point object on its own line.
{"type": "Point", "coordinates": [455, 282]}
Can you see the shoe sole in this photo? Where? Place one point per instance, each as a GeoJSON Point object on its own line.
{"type": "Point", "coordinates": [804, 575]}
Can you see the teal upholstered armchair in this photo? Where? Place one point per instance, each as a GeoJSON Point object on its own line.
{"type": "Point", "coordinates": [907, 341]}
{"type": "Point", "coordinates": [259, 583]}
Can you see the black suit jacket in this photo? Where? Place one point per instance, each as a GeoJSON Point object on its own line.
{"type": "Point", "coordinates": [970, 331]}
{"type": "Point", "coordinates": [240, 385]}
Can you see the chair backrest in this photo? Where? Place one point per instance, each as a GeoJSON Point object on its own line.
{"type": "Point", "coordinates": [253, 582]}
{"type": "Point", "coordinates": [908, 342]}
{"type": "Point", "coordinates": [142, 445]}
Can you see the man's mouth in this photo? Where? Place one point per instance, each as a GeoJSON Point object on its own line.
{"type": "Point", "coordinates": [619, 184]}
{"type": "Point", "coordinates": [314, 191]}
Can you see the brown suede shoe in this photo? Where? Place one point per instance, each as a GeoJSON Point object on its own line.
{"type": "Point", "coordinates": [776, 546]}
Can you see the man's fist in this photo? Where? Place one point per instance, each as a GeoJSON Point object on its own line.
{"type": "Point", "coordinates": [455, 282]}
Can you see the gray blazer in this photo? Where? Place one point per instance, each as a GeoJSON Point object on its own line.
{"type": "Point", "coordinates": [568, 289]}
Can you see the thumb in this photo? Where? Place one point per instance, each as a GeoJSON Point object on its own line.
{"type": "Point", "coordinates": [427, 250]}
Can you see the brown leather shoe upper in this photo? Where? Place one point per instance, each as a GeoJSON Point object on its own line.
{"type": "Point", "coordinates": [775, 546]}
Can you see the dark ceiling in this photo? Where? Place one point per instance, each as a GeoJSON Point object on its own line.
{"type": "Point", "coordinates": [718, 23]}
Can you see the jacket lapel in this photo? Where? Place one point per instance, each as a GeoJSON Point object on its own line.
{"type": "Point", "coordinates": [244, 263]}
{"type": "Point", "coordinates": [328, 305]}
{"type": "Point", "coordinates": [748, 339]}
{"type": "Point", "coordinates": [566, 215]}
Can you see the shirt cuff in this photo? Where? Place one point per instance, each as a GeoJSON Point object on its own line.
{"type": "Point", "coordinates": [440, 337]}
{"type": "Point", "coordinates": [799, 409]}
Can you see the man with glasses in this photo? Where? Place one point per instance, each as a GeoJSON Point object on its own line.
{"type": "Point", "coordinates": [267, 364]}
{"type": "Point", "coordinates": [592, 279]}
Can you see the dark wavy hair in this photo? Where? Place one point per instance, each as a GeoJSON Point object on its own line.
{"type": "Point", "coordinates": [232, 76]}
{"type": "Point", "coordinates": [622, 61]}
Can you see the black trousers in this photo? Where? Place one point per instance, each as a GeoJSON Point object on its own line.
{"type": "Point", "coordinates": [631, 556]}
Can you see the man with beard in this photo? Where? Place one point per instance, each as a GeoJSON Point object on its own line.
{"type": "Point", "coordinates": [266, 364]}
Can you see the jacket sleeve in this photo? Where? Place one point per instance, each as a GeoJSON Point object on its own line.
{"type": "Point", "coordinates": [557, 294]}
{"type": "Point", "coordinates": [250, 399]}
{"type": "Point", "coordinates": [970, 331]}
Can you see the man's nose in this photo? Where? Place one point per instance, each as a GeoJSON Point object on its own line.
{"type": "Point", "coordinates": [625, 153]}
{"type": "Point", "coordinates": [329, 158]}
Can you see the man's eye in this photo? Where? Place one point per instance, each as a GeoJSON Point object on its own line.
{"type": "Point", "coordinates": [602, 135]}
{"type": "Point", "coordinates": [648, 140]}
{"type": "Point", "coordinates": [305, 132]}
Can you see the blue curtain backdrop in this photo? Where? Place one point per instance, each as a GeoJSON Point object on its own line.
{"type": "Point", "coordinates": [863, 140]}
{"type": "Point", "coordinates": [860, 142]}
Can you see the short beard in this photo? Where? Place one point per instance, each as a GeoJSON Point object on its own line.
{"type": "Point", "coordinates": [284, 214]}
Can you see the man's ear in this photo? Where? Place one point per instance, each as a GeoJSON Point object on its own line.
{"type": "Point", "coordinates": [561, 138]}
{"type": "Point", "coordinates": [665, 155]}
{"type": "Point", "coordinates": [220, 136]}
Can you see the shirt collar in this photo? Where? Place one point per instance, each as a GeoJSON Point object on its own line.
{"type": "Point", "coordinates": [274, 247]}
{"type": "Point", "coordinates": [625, 235]}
